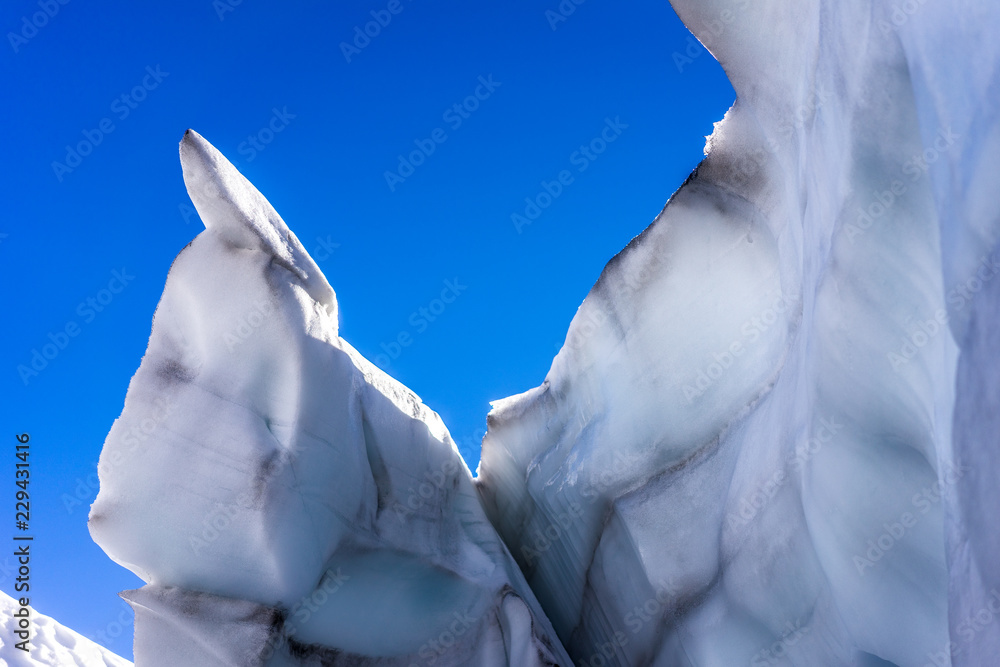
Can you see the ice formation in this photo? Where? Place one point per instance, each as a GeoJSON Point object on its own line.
{"type": "Point", "coordinates": [286, 502]}
{"type": "Point", "coordinates": [50, 643]}
{"type": "Point", "coordinates": [771, 436]}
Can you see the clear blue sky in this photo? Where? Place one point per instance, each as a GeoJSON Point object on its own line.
{"type": "Point", "coordinates": [387, 251]}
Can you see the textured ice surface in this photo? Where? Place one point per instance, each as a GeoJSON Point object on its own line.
{"type": "Point", "coordinates": [286, 502]}
{"type": "Point", "coordinates": [955, 65]}
{"type": "Point", "coordinates": [770, 438]}
{"type": "Point", "coordinates": [51, 644]}
{"type": "Point", "coordinates": [744, 451]}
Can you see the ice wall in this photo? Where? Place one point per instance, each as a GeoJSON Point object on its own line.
{"type": "Point", "coordinates": [286, 502]}
{"type": "Point", "coordinates": [954, 61]}
{"type": "Point", "coordinates": [770, 437]}
{"type": "Point", "coordinates": [743, 453]}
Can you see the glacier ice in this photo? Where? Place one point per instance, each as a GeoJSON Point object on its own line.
{"type": "Point", "coordinates": [770, 437]}
{"type": "Point", "coordinates": [286, 501]}
{"type": "Point", "coordinates": [51, 643]}
{"type": "Point", "coordinates": [955, 65]}
{"type": "Point", "coordinates": [766, 438]}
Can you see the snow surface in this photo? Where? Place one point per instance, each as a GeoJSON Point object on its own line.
{"type": "Point", "coordinates": [740, 453]}
{"type": "Point", "coordinates": [286, 501]}
{"type": "Point", "coordinates": [51, 643]}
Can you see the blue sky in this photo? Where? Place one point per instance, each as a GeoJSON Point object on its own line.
{"type": "Point", "coordinates": [590, 116]}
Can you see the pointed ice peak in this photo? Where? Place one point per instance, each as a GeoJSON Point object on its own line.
{"type": "Point", "coordinates": [233, 208]}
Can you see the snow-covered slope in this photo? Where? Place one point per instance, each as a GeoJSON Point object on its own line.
{"type": "Point", "coordinates": [287, 502]}
{"type": "Point", "coordinates": [51, 643]}
{"type": "Point", "coordinates": [740, 453]}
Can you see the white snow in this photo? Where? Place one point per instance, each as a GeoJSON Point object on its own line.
{"type": "Point", "coordinates": [50, 643]}
{"type": "Point", "coordinates": [283, 498]}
